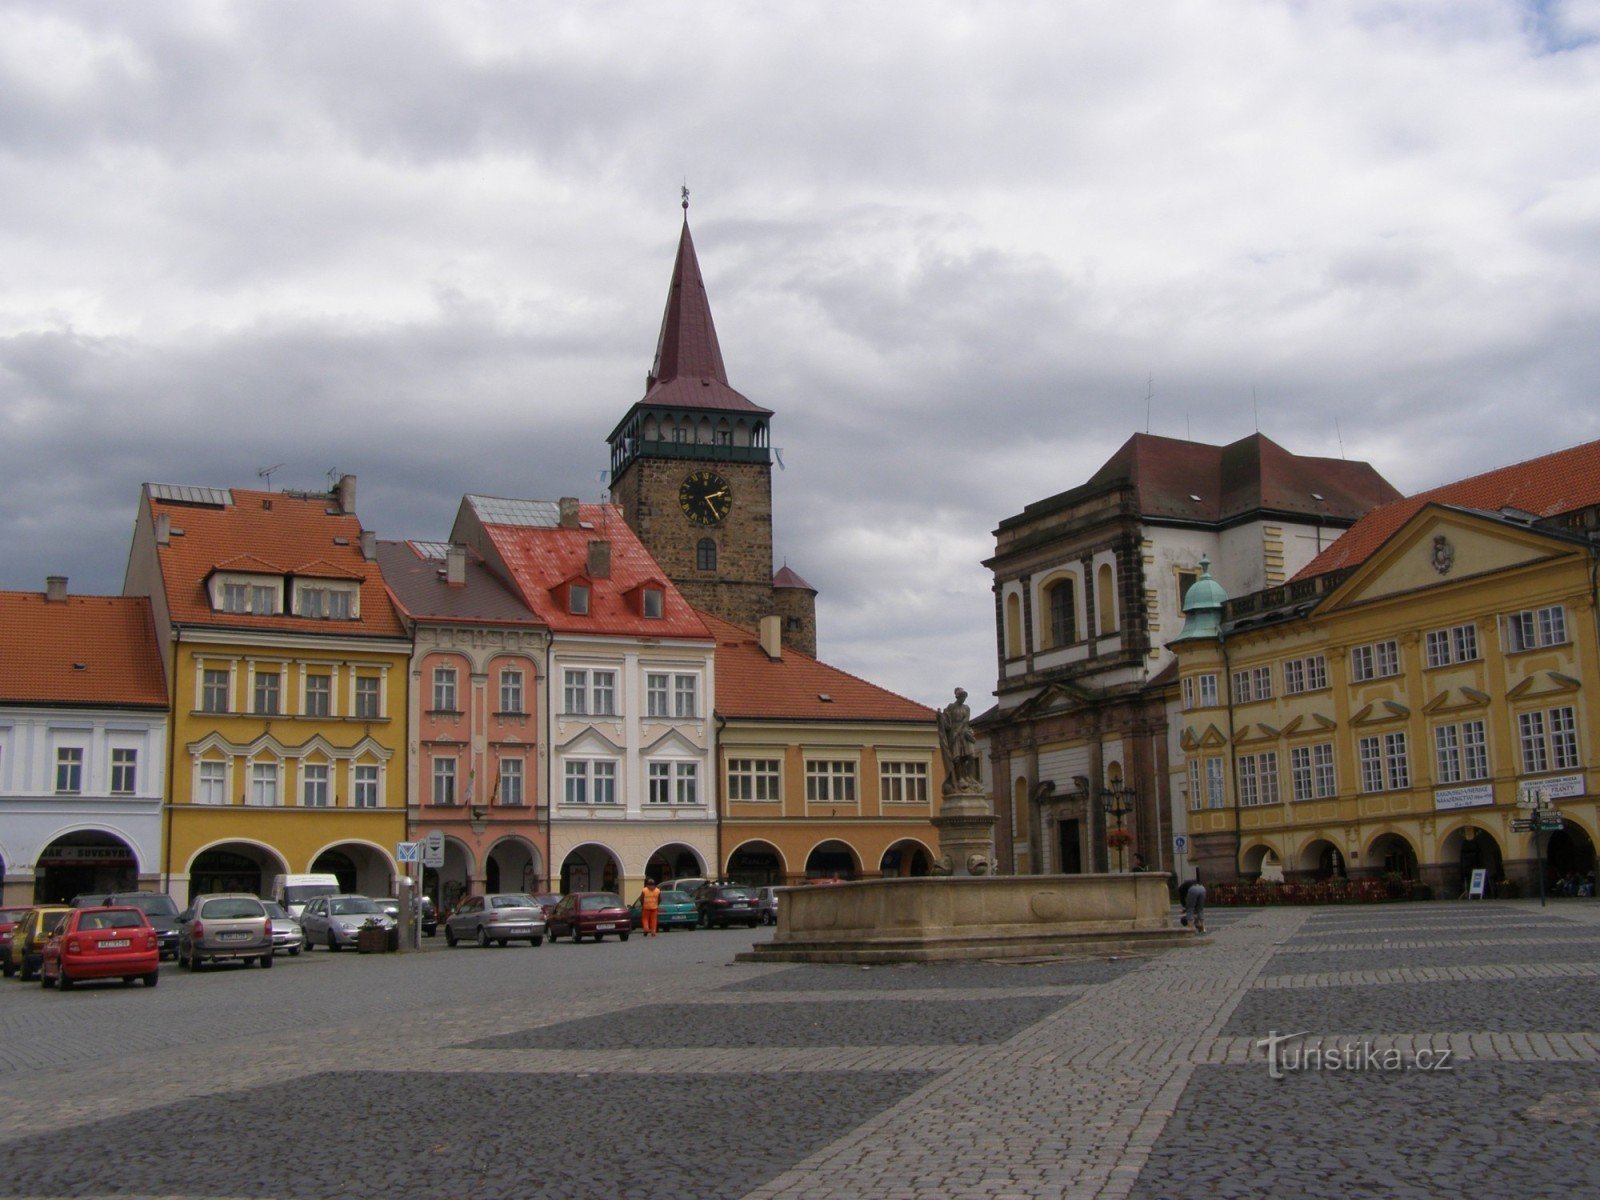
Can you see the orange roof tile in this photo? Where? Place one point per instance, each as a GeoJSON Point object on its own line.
{"type": "Point", "coordinates": [1547, 486]}
{"type": "Point", "coordinates": [791, 688]}
{"type": "Point", "coordinates": [84, 650]}
{"type": "Point", "coordinates": [263, 528]}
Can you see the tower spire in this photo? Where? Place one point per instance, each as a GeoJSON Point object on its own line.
{"type": "Point", "coordinates": [687, 347]}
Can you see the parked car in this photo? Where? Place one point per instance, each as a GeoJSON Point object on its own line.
{"type": "Point", "coordinates": [224, 926]}
{"type": "Point", "coordinates": [30, 935]}
{"type": "Point", "coordinates": [499, 917]}
{"type": "Point", "coordinates": [10, 918]}
{"type": "Point", "coordinates": [337, 921]}
{"type": "Point", "coordinates": [688, 885]}
{"type": "Point", "coordinates": [724, 904]}
{"type": "Point", "coordinates": [428, 918]}
{"type": "Point", "coordinates": [767, 904]}
{"type": "Point", "coordinates": [102, 943]}
{"type": "Point", "coordinates": [160, 908]}
{"type": "Point", "coordinates": [676, 910]}
{"type": "Point", "coordinates": [590, 914]}
{"type": "Point", "coordinates": [286, 931]}
{"type": "Point", "coordinates": [548, 902]}
{"type": "Point", "coordinates": [294, 892]}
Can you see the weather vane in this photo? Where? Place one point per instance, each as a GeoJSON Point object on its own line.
{"type": "Point", "coordinates": [685, 191]}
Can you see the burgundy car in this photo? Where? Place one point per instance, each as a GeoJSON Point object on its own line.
{"type": "Point", "coordinates": [102, 943]}
{"type": "Point", "coordinates": [589, 914]}
{"type": "Point", "coordinates": [10, 918]}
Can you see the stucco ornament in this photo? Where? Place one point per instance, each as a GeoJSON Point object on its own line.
{"type": "Point", "coordinates": [1444, 554]}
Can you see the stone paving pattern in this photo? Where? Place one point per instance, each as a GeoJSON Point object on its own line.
{"type": "Point", "coordinates": [1137, 1078]}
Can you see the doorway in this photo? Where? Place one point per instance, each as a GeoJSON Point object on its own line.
{"type": "Point", "coordinates": [1069, 847]}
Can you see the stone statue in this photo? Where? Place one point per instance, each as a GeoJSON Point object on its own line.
{"type": "Point", "coordinates": [958, 744]}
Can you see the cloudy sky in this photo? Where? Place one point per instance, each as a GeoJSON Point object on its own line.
{"type": "Point", "coordinates": [963, 250]}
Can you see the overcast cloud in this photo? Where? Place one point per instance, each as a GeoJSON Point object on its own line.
{"type": "Point", "coordinates": [962, 250]}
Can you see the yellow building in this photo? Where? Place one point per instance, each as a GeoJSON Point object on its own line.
{"type": "Point", "coordinates": [1395, 708]}
{"type": "Point", "coordinates": [287, 667]}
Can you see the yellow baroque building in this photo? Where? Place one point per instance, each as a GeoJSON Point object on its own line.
{"type": "Point", "coordinates": [287, 668]}
{"type": "Point", "coordinates": [1394, 709]}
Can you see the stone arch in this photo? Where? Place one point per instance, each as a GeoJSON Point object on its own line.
{"type": "Point", "coordinates": [757, 863]}
{"type": "Point", "coordinates": [447, 884]}
{"type": "Point", "coordinates": [1391, 853]}
{"type": "Point", "coordinates": [1569, 853]}
{"type": "Point", "coordinates": [1465, 849]}
{"type": "Point", "coordinates": [905, 859]}
{"type": "Point", "coordinates": [364, 868]}
{"type": "Point", "coordinates": [1259, 860]}
{"type": "Point", "coordinates": [833, 858]}
{"type": "Point", "coordinates": [591, 867]}
{"type": "Point", "coordinates": [1319, 858]}
{"type": "Point", "coordinates": [234, 865]}
{"type": "Point", "coordinates": [674, 860]}
{"type": "Point", "coordinates": [82, 859]}
{"type": "Point", "coordinates": [513, 864]}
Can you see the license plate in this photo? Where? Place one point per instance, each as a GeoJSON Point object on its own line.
{"type": "Point", "coordinates": [605, 926]}
{"type": "Point", "coordinates": [235, 937]}
{"type": "Point", "coordinates": [118, 944]}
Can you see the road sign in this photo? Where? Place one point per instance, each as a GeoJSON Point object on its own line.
{"type": "Point", "coordinates": [407, 852]}
{"type": "Point", "coordinates": [433, 850]}
{"type": "Point", "coordinates": [1524, 825]}
{"type": "Point", "coordinates": [1180, 843]}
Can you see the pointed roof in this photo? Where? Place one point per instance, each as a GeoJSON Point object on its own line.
{"type": "Point", "coordinates": [789, 578]}
{"type": "Point", "coordinates": [1556, 483]}
{"type": "Point", "coordinates": [83, 650]}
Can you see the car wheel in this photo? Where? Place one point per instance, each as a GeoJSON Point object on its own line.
{"type": "Point", "coordinates": [622, 937]}
{"type": "Point", "coordinates": [449, 936]}
{"type": "Point", "coordinates": [551, 934]}
{"type": "Point", "coordinates": [538, 941]}
{"type": "Point", "coordinates": [483, 939]}
{"type": "Point", "coordinates": [196, 963]}
{"type": "Point", "coordinates": [294, 951]}
{"type": "Point", "coordinates": [503, 942]}
{"type": "Point", "coordinates": [27, 975]}
{"type": "Point", "coordinates": [63, 980]}
{"type": "Point", "coordinates": [265, 961]}
{"type": "Point", "coordinates": [152, 979]}
{"type": "Point", "coordinates": [127, 980]}
{"type": "Point", "coordinates": [8, 968]}
{"type": "Point", "coordinates": [333, 942]}
{"type": "Point", "coordinates": [45, 981]}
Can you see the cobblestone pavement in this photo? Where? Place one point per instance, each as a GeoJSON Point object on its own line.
{"type": "Point", "coordinates": [1422, 1050]}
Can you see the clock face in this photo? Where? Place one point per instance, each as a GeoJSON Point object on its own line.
{"type": "Point", "coordinates": [705, 498]}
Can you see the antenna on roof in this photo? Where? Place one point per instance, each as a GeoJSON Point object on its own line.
{"type": "Point", "coordinates": [1338, 435]}
{"type": "Point", "coordinates": [1256, 405]}
{"type": "Point", "coordinates": [777, 453]}
{"type": "Point", "coordinates": [333, 478]}
{"type": "Point", "coordinates": [1149, 393]}
{"type": "Point", "coordinates": [266, 473]}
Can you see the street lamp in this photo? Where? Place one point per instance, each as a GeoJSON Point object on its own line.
{"type": "Point", "coordinates": [1117, 802]}
{"type": "Point", "coordinates": [1541, 818]}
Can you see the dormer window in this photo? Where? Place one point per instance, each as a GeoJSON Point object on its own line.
{"type": "Point", "coordinates": [242, 594]}
{"type": "Point", "coordinates": [653, 603]}
{"type": "Point", "coordinates": [578, 600]}
{"type": "Point", "coordinates": [326, 601]}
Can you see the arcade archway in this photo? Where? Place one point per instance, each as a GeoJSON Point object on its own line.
{"type": "Point", "coordinates": [833, 859]}
{"type": "Point", "coordinates": [361, 869]}
{"type": "Point", "coordinates": [82, 862]}
{"type": "Point", "coordinates": [906, 859]}
{"type": "Point", "coordinates": [758, 864]}
{"type": "Point", "coordinates": [674, 861]}
{"type": "Point", "coordinates": [591, 868]}
{"type": "Point", "coordinates": [234, 867]}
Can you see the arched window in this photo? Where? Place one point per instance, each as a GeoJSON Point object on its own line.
{"type": "Point", "coordinates": [1105, 599]}
{"type": "Point", "coordinates": [705, 555]}
{"type": "Point", "coordinates": [1063, 613]}
{"type": "Point", "coordinates": [1013, 626]}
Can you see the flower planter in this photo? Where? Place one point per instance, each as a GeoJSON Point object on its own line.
{"type": "Point", "coordinates": [372, 941]}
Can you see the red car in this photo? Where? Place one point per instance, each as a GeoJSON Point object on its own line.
{"type": "Point", "coordinates": [9, 918]}
{"type": "Point", "coordinates": [102, 943]}
{"type": "Point", "coordinates": [589, 914]}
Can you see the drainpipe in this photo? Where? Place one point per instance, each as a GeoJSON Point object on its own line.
{"type": "Point", "coordinates": [714, 789]}
{"type": "Point", "coordinates": [1233, 753]}
{"type": "Point", "coordinates": [172, 766]}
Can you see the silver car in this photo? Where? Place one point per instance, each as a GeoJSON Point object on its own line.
{"type": "Point", "coordinates": [231, 925]}
{"type": "Point", "coordinates": [499, 917]}
{"type": "Point", "coordinates": [286, 931]}
{"type": "Point", "coordinates": [337, 921]}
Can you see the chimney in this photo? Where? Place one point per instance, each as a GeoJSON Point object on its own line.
{"type": "Point", "coordinates": [772, 637]}
{"type": "Point", "coordinates": [163, 529]}
{"type": "Point", "coordinates": [569, 512]}
{"type": "Point", "coordinates": [599, 559]}
{"type": "Point", "coordinates": [455, 566]}
{"type": "Point", "coordinates": [369, 545]}
{"type": "Point", "coordinates": [345, 495]}
{"type": "Point", "coordinates": [55, 588]}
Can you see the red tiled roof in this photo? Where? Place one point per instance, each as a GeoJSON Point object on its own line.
{"type": "Point", "coordinates": [755, 687]}
{"type": "Point", "coordinates": [265, 528]}
{"type": "Point", "coordinates": [1555, 483]}
{"type": "Point", "coordinates": [42, 643]}
{"type": "Point", "coordinates": [542, 558]}
{"type": "Point", "coordinates": [417, 583]}
{"type": "Point", "coordinates": [787, 578]}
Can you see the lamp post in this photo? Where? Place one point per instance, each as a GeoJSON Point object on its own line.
{"type": "Point", "coordinates": [1541, 818]}
{"type": "Point", "coordinates": [1117, 803]}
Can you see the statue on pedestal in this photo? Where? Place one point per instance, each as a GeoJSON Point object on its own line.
{"type": "Point", "coordinates": [959, 746]}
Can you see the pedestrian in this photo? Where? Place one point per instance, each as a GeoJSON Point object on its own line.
{"type": "Point", "coordinates": [649, 907]}
{"type": "Point", "coordinates": [1193, 894]}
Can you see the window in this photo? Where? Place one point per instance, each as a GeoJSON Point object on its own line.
{"type": "Point", "coordinates": [589, 692]}
{"type": "Point", "coordinates": [1459, 643]}
{"type": "Point", "coordinates": [124, 772]}
{"type": "Point", "coordinates": [655, 695]}
{"type": "Point", "coordinates": [1205, 783]}
{"type": "Point", "coordinates": [685, 695]}
{"type": "Point", "coordinates": [235, 598]}
{"type": "Point", "coordinates": [444, 689]}
{"type": "Point", "coordinates": [754, 778]}
{"type": "Point", "coordinates": [1384, 765]}
{"type": "Point", "coordinates": [705, 555]}
{"type": "Point", "coordinates": [319, 695]}
{"type": "Point", "coordinates": [1535, 627]}
{"type": "Point", "coordinates": [69, 770]}
{"type": "Point", "coordinates": [1461, 752]}
{"type": "Point", "coordinates": [267, 688]}
{"type": "Point", "coordinates": [653, 603]}
{"type": "Point", "coordinates": [511, 781]}
{"type": "Point", "coordinates": [213, 785]}
{"type": "Point", "coordinates": [686, 782]}
{"type": "Point", "coordinates": [660, 790]}
{"type": "Point", "coordinates": [1258, 779]}
{"type": "Point", "coordinates": [578, 600]}
{"type": "Point", "coordinates": [326, 603]}
{"type": "Point", "coordinates": [1105, 599]}
{"type": "Point", "coordinates": [264, 784]}
{"type": "Point", "coordinates": [444, 781]}
{"type": "Point", "coordinates": [1549, 740]}
{"type": "Point", "coordinates": [1013, 626]}
{"type": "Point", "coordinates": [367, 697]}
{"type": "Point", "coordinates": [831, 782]}
{"type": "Point", "coordinates": [903, 783]}
{"type": "Point", "coordinates": [605, 782]}
{"type": "Point", "coordinates": [511, 690]}
{"type": "Point", "coordinates": [314, 785]}
{"type": "Point", "coordinates": [1377, 661]}
{"type": "Point", "coordinates": [1063, 614]}
{"type": "Point", "coordinates": [1254, 683]}
{"type": "Point", "coordinates": [1309, 674]}
{"type": "Point", "coordinates": [1186, 580]}
{"type": "Point", "coordinates": [1199, 691]}
{"type": "Point", "coordinates": [214, 691]}
{"type": "Point", "coordinates": [581, 773]}
{"type": "Point", "coordinates": [263, 599]}
{"type": "Point", "coordinates": [366, 786]}
{"type": "Point", "coordinates": [1311, 772]}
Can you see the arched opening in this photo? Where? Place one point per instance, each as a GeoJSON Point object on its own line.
{"type": "Point", "coordinates": [1105, 599]}
{"type": "Point", "coordinates": [833, 860]}
{"type": "Point", "coordinates": [513, 865]}
{"type": "Point", "coordinates": [1470, 849]}
{"type": "Point", "coordinates": [905, 859]}
{"type": "Point", "coordinates": [1321, 859]}
{"type": "Point", "coordinates": [362, 870]}
{"type": "Point", "coordinates": [447, 884]}
{"type": "Point", "coordinates": [1061, 607]}
{"type": "Point", "coordinates": [1569, 862]}
{"type": "Point", "coordinates": [591, 868]}
{"type": "Point", "coordinates": [1257, 861]}
{"type": "Point", "coordinates": [758, 864]}
{"type": "Point", "coordinates": [234, 867]}
{"type": "Point", "coordinates": [1013, 626]}
{"type": "Point", "coordinates": [1393, 856]}
{"type": "Point", "coordinates": [84, 861]}
{"type": "Point", "coordinates": [675, 861]}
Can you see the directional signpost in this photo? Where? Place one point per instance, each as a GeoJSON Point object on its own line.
{"type": "Point", "coordinates": [1541, 818]}
{"type": "Point", "coordinates": [433, 850]}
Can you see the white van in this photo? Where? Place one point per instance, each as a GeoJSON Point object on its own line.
{"type": "Point", "coordinates": [293, 891]}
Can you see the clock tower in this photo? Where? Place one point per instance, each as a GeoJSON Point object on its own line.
{"type": "Point", "coordinates": [691, 469]}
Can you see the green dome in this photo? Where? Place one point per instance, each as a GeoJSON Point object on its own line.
{"type": "Point", "coordinates": [1202, 606]}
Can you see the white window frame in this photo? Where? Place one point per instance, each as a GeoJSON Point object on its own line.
{"type": "Point", "coordinates": [211, 782]}
{"type": "Point", "coordinates": [831, 780]}
{"type": "Point", "coordinates": [755, 780]}
{"type": "Point", "coordinates": [511, 792]}
{"type": "Point", "coordinates": [658, 784]}
{"type": "Point", "coordinates": [124, 771]}
{"type": "Point", "coordinates": [325, 601]}
{"type": "Point", "coordinates": [1536, 628]}
{"type": "Point", "coordinates": [324, 693]}
{"type": "Point", "coordinates": [657, 694]}
{"type": "Point", "coordinates": [212, 687]}
{"type": "Point", "coordinates": [1258, 779]}
{"type": "Point", "coordinates": [1385, 762]}
{"type": "Point", "coordinates": [1548, 739]}
{"type": "Point", "coordinates": [685, 697]}
{"type": "Point", "coordinates": [366, 788]}
{"type": "Point", "coordinates": [69, 770]}
{"type": "Point", "coordinates": [512, 692]}
{"type": "Point", "coordinates": [1311, 772]}
{"type": "Point", "coordinates": [263, 686]}
{"type": "Point", "coordinates": [444, 777]}
{"type": "Point", "coordinates": [446, 696]}
{"type": "Point", "coordinates": [266, 782]}
{"type": "Point", "coordinates": [316, 785]}
{"type": "Point", "coordinates": [367, 688]}
{"type": "Point", "coordinates": [1461, 752]}
{"type": "Point", "coordinates": [902, 781]}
